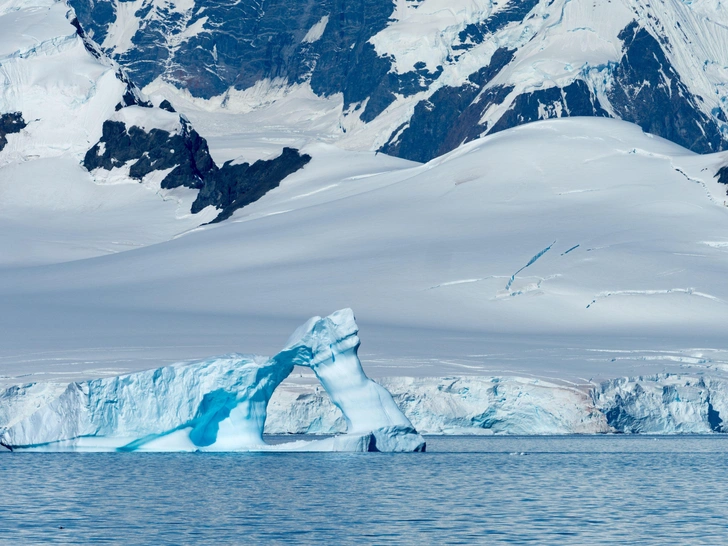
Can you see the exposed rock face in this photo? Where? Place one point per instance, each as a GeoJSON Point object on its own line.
{"type": "Point", "coordinates": [648, 91]}
{"type": "Point", "coordinates": [9, 124]}
{"type": "Point", "coordinates": [451, 115]}
{"type": "Point", "coordinates": [232, 187]}
{"type": "Point", "coordinates": [722, 176]}
{"type": "Point", "coordinates": [185, 152]}
{"type": "Point", "coordinates": [337, 47]}
{"type": "Point", "coordinates": [645, 89]}
{"type": "Point", "coordinates": [255, 41]}
{"type": "Point", "coordinates": [573, 100]}
{"type": "Point", "coordinates": [131, 96]}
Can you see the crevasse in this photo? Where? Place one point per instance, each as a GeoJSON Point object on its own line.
{"type": "Point", "coordinates": [218, 404]}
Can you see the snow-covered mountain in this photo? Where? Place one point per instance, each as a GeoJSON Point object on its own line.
{"type": "Point", "coordinates": [511, 278]}
{"type": "Point", "coordinates": [416, 78]}
{"type": "Point", "coordinates": [63, 102]}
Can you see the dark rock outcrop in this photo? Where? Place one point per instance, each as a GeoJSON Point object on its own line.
{"type": "Point", "coordinates": [450, 116]}
{"type": "Point", "coordinates": [9, 124]}
{"type": "Point", "coordinates": [722, 176]}
{"type": "Point", "coordinates": [648, 91]}
{"type": "Point", "coordinates": [166, 105]}
{"type": "Point", "coordinates": [132, 95]}
{"type": "Point", "coordinates": [477, 33]}
{"type": "Point", "coordinates": [573, 100]}
{"type": "Point", "coordinates": [186, 153]}
{"type": "Point", "coordinates": [249, 41]}
{"type": "Point", "coordinates": [227, 188]}
{"type": "Point", "coordinates": [232, 187]}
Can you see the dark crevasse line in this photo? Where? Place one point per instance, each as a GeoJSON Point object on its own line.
{"type": "Point", "coordinates": [529, 264]}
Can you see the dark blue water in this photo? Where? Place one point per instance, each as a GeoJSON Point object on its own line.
{"type": "Point", "coordinates": [565, 490]}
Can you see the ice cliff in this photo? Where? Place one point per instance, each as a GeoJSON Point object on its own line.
{"type": "Point", "coordinates": [657, 404]}
{"type": "Point", "coordinates": [213, 405]}
{"type": "Point", "coordinates": [226, 404]}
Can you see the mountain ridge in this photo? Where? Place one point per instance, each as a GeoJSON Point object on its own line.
{"type": "Point", "coordinates": [389, 62]}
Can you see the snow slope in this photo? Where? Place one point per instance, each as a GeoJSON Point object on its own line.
{"type": "Point", "coordinates": [88, 165]}
{"type": "Point", "coordinates": [504, 257]}
{"type": "Point", "coordinates": [51, 208]}
{"type": "Point", "coordinates": [502, 286]}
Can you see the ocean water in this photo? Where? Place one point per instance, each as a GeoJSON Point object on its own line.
{"type": "Point", "coordinates": [482, 490]}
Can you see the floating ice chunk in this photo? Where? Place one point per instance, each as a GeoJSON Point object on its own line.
{"type": "Point", "coordinates": [219, 404]}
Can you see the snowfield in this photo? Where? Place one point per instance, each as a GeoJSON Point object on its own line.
{"type": "Point", "coordinates": [504, 259]}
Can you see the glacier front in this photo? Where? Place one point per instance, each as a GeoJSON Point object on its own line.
{"type": "Point", "coordinates": [218, 404]}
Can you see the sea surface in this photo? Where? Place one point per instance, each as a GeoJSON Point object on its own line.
{"type": "Point", "coordinates": [476, 490]}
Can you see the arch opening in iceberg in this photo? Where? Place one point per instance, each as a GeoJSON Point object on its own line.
{"type": "Point", "coordinates": [218, 404]}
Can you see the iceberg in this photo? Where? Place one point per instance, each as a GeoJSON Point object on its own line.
{"type": "Point", "coordinates": [218, 404]}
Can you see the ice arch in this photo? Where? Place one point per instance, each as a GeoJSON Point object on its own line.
{"type": "Point", "coordinates": [218, 404]}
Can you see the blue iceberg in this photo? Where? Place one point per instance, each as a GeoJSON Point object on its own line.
{"type": "Point", "coordinates": [218, 404]}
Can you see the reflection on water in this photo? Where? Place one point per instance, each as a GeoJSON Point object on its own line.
{"type": "Point", "coordinates": [543, 490]}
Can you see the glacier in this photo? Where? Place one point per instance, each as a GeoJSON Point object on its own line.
{"type": "Point", "coordinates": [212, 405]}
{"type": "Point", "coordinates": [655, 404]}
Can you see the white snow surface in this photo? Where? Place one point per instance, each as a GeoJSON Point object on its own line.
{"type": "Point", "coordinates": [507, 257]}
{"type": "Point", "coordinates": [51, 208]}
{"type": "Point", "coordinates": [528, 267]}
{"type": "Point", "coordinates": [46, 73]}
{"type": "Point", "coordinates": [315, 32]}
{"type": "Point", "coordinates": [214, 405]}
